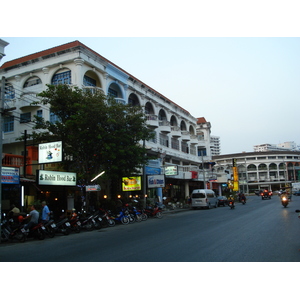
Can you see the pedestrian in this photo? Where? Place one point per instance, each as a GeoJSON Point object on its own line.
{"type": "Point", "coordinates": [14, 210]}
{"type": "Point", "coordinates": [34, 218]}
{"type": "Point", "coordinates": [45, 213]}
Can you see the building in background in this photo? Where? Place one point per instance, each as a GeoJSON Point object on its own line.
{"type": "Point", "coordinates": [276, 147]}
{"type": "Point", "coordinates": [259, 170]}
{"type": "Point", "coordinates": [215, 145]}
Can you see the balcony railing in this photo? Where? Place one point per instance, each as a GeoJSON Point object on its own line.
{"type": "Point", "coordinates": [17, 161]}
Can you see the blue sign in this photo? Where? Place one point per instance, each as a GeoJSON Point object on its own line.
{"type": "Point", "coordinates": [10, 175]}
{"type": "Point", "coordinates": [152, 171]}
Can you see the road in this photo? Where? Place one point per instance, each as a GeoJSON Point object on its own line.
{"type": "Point", "coordinates": [260, 231]}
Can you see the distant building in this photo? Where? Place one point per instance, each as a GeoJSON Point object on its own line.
{"type": "Point", "coordinates": [215, 145]}
{"type": "Point", "coordinates": [291, 146]}
{"type": "Point", "coordinates": [270, 169]}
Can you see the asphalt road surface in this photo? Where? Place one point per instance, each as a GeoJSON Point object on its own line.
{"type": "Point", "coordinates": [260, 231]}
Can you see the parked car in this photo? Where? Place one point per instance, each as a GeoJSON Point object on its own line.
{"type": "Point", "coordinates": [222, 200]}
{"type": "Point", "coordinates": [257, 192]}
{"type": "Point", "coordinates": [296, 193]}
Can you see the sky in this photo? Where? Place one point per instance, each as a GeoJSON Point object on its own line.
{"type": "Point", "coordinates": [235, 63]}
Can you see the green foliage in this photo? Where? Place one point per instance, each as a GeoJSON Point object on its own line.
{"type": "Point", "coordinates": [97, 133]}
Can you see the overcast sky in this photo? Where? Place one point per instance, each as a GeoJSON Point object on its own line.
{"type": "Point", "coordinates": [242, 77]}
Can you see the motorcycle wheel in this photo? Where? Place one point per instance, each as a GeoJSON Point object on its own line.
{"type": "Point", "coordinates": [21, 237]}
{"type": "Point", "coordinates": [98, 225]}
{"type": "Point", "coordinates": [40, 234]}
{"type": "Point", "coordinates": [144, 217]}
{"type": "Point", "coordinates": [66, 230]}
{"type": "Point", "coordinates": [125, 220]}
{"type": "Point", "coordinates": [159, 215]}
{"type": "Point", "coordinates": [89, 226]}
{"type": "Point", "coordinates": [138, 218]}
{"type": "Point", "coordinates": [51, 232]}
{"type": "Point", "coordinates": [111, 222]}
{"type": "Point", "coordinates": [131, 219]}
{"type": "Point", "coordinates": [77, 228]}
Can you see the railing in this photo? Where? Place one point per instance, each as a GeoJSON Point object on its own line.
{"type": "Point", "coordinates": [17, 161]}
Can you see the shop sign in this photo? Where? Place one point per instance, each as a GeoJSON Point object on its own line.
{"type": "Point", "coordinates": [56, 178]}
{"type": "Point", "coordinates": [131, 183]}
{"type": "Point", "coordinates": [10, 175]}
{"type": "Point", "coordinates": [50, 152]}
{"type": "Point", "coordinates": [152, 171]}
{"type": "Point", "coordinates": [156, 181]}
{"type": "Point", "coordinates": [171, 170]}
{"type": "Point", "coordinates": [93, 188]}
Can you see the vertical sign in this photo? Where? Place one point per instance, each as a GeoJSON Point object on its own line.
{"type": "Point", "coordinates": [235, 175]}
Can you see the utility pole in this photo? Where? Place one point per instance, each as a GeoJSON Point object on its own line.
{"type": "Point", "coordinates": [1, 129]}
{"type": "Point", "coordinates": [3, 44]}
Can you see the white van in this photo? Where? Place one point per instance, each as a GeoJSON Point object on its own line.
{"type": "Point", "coordinates": [204, 198]}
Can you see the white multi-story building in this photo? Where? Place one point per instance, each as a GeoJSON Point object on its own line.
{"type": "Point", "coordinates": [258, 170]}
{"type": "Point", "coordinates": [179, 138]}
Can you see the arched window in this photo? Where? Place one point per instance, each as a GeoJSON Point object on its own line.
{"type": "Point", "coordinates": [32, 81]}
{"type": "Point", "coordinates": [149, 109]}
{"type": "Point", "coordinates": [251, 168]}
{"type": "Point", "coordinates": [192, 130]}
{"type": "Point", "coordinates": [162, 115]}
{"type": "Point", "coordinates": [173, 121]}
{"type": "Point", "coordinates": [114, 91]}
{"type": "Point", "coordinates": [133, 100]}
{"type": "Point", "coordinates": [62, 76]}
{"type": "Point", "coordinates": [182, 126]}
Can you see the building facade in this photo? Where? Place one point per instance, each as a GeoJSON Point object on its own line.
{"type": "Point", "coordinates": [179, 139]}
{"type": "Point", "coordinates": [259, 170]}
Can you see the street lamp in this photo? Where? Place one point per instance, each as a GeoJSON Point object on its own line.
{"type": "Point", "coordinates": [98, 176]}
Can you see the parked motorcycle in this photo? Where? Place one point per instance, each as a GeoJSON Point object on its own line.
{"type": "Point", "coordinates": [107, 219]}
{"type": "Point", "coordinates": [50, 228]}
{"type": "Point", "coordinates": [75, 224]}
{"type": "Point", "coordinates": [121, 218]}
{"type": "Point", "coordinates": [88, 223]}
{"type": "Point", "coordinates": [37, 232]}
{"type": "Point", "coordinates": [154, 211]}
{"type": "Point", "coordinates": [63, 226]}
{"type": "Point", "coordinates": [136, 214]}
{"type": "Point", "coordinates": [11, 231]}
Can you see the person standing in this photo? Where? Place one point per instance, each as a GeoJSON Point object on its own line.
{"type": "Point", "coordinates": [45, 213]}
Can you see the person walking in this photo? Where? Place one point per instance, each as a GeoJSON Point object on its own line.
{"type": "Point", "coordinates": [45, 213]}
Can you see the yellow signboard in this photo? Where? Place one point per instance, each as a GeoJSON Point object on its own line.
{"type": "Point", "coordinates": [131, 183]}
{"type": "Point", "coordinates": [235, 186]}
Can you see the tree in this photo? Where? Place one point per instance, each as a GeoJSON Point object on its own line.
{"type": "Point", "coordinates": [98, 134]}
